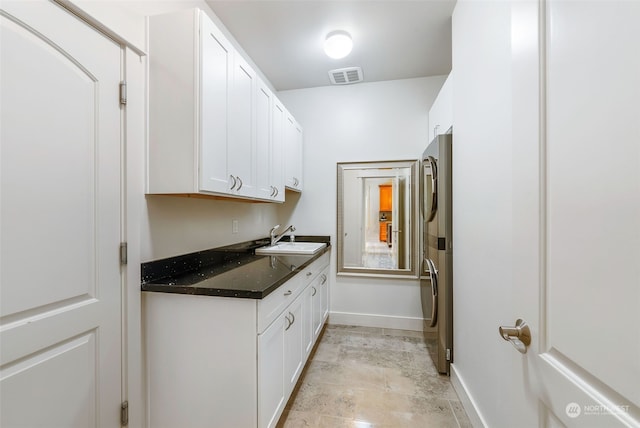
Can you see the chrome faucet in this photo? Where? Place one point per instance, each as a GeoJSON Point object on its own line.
{"type": "Point", "coordinates": [275, 238]}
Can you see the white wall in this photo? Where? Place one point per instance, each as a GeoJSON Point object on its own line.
{"type": "Point", "coordinates": [483, 239]}
{"type": "Point", "coordinates": [362, 122]}
{"type": "Point", "coordinates": [175, 225]}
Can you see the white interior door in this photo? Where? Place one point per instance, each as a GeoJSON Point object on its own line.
{"type": "Point", "coordinates": [60, 284]}
{"type": "Point", "coordinates": [353, 200]}
{"type": "Point", "coordinates": [577, 195]}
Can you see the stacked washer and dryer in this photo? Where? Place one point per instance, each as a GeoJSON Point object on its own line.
{"type": "Point", "coordinates": [436, 277]}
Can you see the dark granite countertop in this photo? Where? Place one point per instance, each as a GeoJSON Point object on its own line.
{"type": "Point", "coordinates": [231, 271]}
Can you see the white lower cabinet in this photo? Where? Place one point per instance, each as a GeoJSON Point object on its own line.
{"type": "Point", "coordinates": [291, 336]}
{"type": "Point", "coordinates": [230, 362]}
{"type": "Point", "coordinates": [271, 387]}
{"type": "Point", "coordinates": [294, 357]}
{"type": "Point", "coordinates": [319, 293]}
{"type": "Point", "coordinates": [307, 328]}
{"type": "Point", "coordinates": [324, 297]}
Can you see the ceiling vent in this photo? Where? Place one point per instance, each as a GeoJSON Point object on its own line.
{"type": "Point", "coordinates": [346, 76]}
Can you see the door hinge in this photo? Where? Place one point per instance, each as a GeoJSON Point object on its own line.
{"type": "Point", "coordinates": [123, 253]}
{"type": "Point", "coordinates": [123, 92]}
{"type": "Point", "coordinates": [448, 354]}
{"type": "Point", "coordinates": [124, 414]}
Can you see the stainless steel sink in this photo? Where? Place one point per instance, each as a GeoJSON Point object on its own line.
{"type": "Point", "coordinates": [292, 248]}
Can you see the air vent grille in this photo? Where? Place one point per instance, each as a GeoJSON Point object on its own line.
{"type": "Point", "coordinates": [346, 76]}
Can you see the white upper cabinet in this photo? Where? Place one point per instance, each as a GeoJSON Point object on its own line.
{"type": "Point", "coordinates": [241, 143]}
{"type": "Point", "coordinates": [293, 153]}
{"type": "Point", "coordinates": [264, 140]}
{"type": "Point", "coordinates": [269, 164]}
{"type": "Point", "coordinates": [441, 113]}
{"type": "Point", "coordinates": [215, 80]}
{"type": "Point", "coordinates": [215, 127]}
{"type": "Point", "coordinates": [278, 114]}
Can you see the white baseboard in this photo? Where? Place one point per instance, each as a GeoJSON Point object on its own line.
{"type": "Point", "coordinates": [467, 400]}
{"type": "Point", "coordinates": [380, 321]}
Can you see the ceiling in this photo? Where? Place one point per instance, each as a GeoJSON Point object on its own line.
{"type": "Point", "coordinates": [391, 39]}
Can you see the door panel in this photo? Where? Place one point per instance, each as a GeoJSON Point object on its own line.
{"type": "Point", "coordinates": [59, 220]}
{"type": "Point", "coordinates": [32, 208]}
{"type": "Point", "coordinates": [65, 373]}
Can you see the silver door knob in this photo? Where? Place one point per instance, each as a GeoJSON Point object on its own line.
{"type": "Point", "coordinates": [519, 336]}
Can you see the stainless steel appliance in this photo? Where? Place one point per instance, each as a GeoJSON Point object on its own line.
{"type": "Point", "coordinates": [436, 278]}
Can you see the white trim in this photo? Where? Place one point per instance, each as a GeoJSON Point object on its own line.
{"type": "Point", "coordinates": [467, 401]}
{"type": "Point", "coordinates": [381, 321]}
{"type": "Point", "coordinates": [134, 157]}
{"type": "Point", "coordinates": [95, 23]}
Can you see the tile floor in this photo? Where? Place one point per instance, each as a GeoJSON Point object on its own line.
{"type": "Point", "coordinates": [362, 377]}
{"type": "Point", "coordinates": [378, 255]}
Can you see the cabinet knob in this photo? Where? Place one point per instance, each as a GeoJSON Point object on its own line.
{"type": "Point", "coordinates": [240, 180]}
{"type": "Point", "coordinates": [314, 291]}
{"type": "Point", "coordinates": [233, 179]}
{"type": "Point", "coordinates": [287, 293]}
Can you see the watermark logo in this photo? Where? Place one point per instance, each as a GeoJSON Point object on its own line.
{"type": "Point", "coordinates": [600, 410]}
{"type": "Point", "coordinates": [573, 410]}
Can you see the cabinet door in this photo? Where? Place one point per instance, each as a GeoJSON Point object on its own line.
{"type": "Point", "coordinates": [241, 146]}
{"type": "Point", "coordinates": [277, 149]}
{"type": "Point", "coordinates": [293, 346]}
{"type": "Point", "coordinates": [307, 319]}
{"type": "Point", "coordinates": [216, 71]}
{"type": "Point", "coordinates": [324, 296]}
{"type": "Point", "coordinates": [293, 153]}
{"type": "Point", "coordinates": [298, 156]}
{"type": "Point", "coordinates": [320, 302]}
{"type": "Point", "coordinates": [317, 307]}
{"type": "Point", "coordinates": [271, 376]}
{"type": "Point", "coordinates": [264, 142]}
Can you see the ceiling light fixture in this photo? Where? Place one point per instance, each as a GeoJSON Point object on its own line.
{"type": "Point", "coordinates": [338, 44]}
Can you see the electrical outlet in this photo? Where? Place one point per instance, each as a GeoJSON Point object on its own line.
{"type": "Point", "coordinates": [234, 226]}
